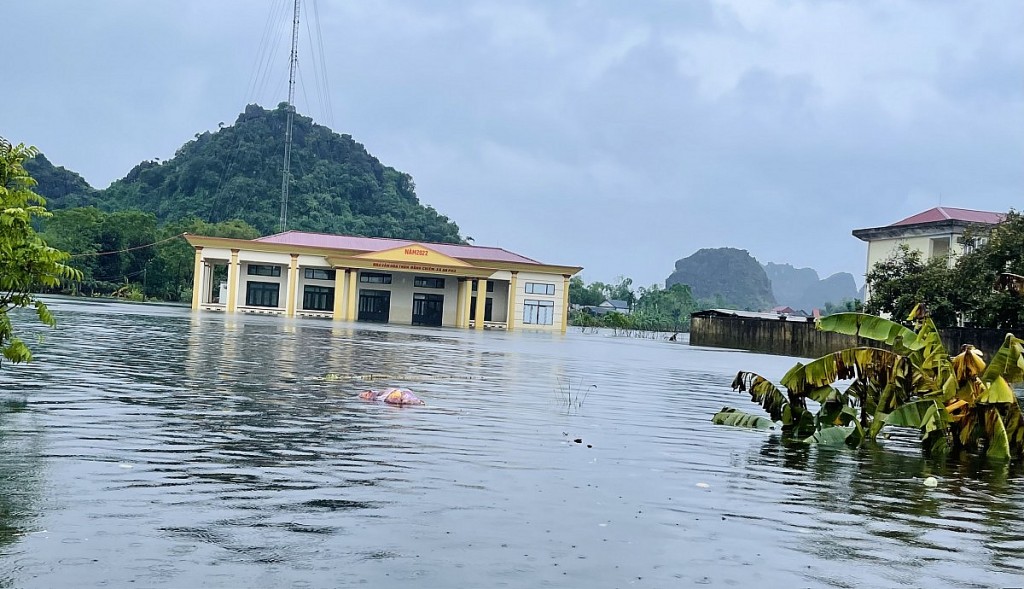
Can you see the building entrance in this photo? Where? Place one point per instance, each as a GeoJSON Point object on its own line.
{"type": "Point", "coordinates": [374, 305]}
{"type": "Point", "coordinates": [427, 309]}
{"type": "Point", "coordinates": [488, 308]}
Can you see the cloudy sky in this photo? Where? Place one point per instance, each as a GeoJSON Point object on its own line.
{"type": "Point", "coordinates": [619, 136]}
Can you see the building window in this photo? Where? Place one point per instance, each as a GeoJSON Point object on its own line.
{"type": "Point", "coordinates": [972, 245]}
{"type": "Point", "coordinates": [490, 286]}
{"type": "Point", "coordinates": [319, 274]}
{"type": "Point", "coordinates": [538, 312]}
{"type": "Point", "coordinates": [375, 277]}
{"type": "Point", "coordinates": [428, 282]}
{"type": "Point", "coordinates": [940, 247]}
{"type": "Point", "coordinates": [317, 298]}
{"type": "Point", "coordinates": [541, 288]}
{"type": "Point", "coordinates": [263, 270]}
{"type": "Point", "coordinates": [262, 294]}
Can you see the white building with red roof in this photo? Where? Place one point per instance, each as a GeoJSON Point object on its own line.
{"type": "Point", "coordinates": [936, 233]}
{"type": "Point", "coordinates": [351, 278]}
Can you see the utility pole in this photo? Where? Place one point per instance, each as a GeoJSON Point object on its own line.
{"type": "Point", "coordinates": [286, 177]}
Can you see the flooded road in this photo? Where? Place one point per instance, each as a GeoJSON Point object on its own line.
{"type": "Point", "coordinates": [147, 446]}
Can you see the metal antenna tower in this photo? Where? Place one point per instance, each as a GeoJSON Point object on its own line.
{"type": "Point", "coordinates": [286, 177]}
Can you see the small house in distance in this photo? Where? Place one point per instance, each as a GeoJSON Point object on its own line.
{"type": "Point", "coordinates": [351, 278]}
{"type": "Point", "coordinates": [615, 306]}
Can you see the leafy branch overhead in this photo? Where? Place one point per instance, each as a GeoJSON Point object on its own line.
{"type": "Point", "coordinates": [26, 262]}
{"type": "Point", "coordinates": [959, 403]}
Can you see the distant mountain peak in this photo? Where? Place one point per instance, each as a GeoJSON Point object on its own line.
{"type": "Point", "coordinates": [801, 288]}
{"type": "Point", "coordinates": [726, 276]}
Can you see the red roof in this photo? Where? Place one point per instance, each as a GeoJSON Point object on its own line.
{"type": "Point", "coordinates": [377, 244]}
{"type": "Point", "coordinates": [939, 214]}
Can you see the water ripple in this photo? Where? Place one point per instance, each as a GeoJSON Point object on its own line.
{"type": "Point", "coordinates": [212, 450]}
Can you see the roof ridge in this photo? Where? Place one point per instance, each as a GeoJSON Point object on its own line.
{"type": "Point", "coordinates": [971, 210]}
{"type": "Point", "coordinates": [407, 240]}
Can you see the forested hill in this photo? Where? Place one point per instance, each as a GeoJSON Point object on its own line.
{"type": "Point", "coordinates": [62, 188]}
{"type": "Point", "coordinates": [235, 173]}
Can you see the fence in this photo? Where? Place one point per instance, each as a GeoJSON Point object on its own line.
{"type": "Point", "coordinates": [802, 340]}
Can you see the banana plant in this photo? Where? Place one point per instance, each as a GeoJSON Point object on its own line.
{"type": "Point", "coordinates": [958, 403]}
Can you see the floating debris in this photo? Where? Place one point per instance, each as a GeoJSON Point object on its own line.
{"type": "Point", "coordinates": [391, 396]}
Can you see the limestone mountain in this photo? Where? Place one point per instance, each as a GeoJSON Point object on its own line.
{"type": "Point", "coordinates": [235, 173]}
{"type": "Point", "coordinates": [726, 276]}
{"type": "Point", "coordinates": [802, 289]}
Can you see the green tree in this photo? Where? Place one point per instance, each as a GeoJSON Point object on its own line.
{"type": "Point", "coordinates": [997, 250]}
{"type": "Point", "coordinates": [110, 249]}
{"type": "Point", "coordinates": [844, 306]}
{"type": "Point", "coordinates": [964, 292]}
{"type": "Point", "coordinates": [898, 283]}
{"type": "Point", "coordinates": [669, 308]}
{"type": "Point", "coordinates": [579, 294]}
{"type": "Point", "coordinates": [26, 262]}
{"type": "Point", "coordinates": [170, 273]}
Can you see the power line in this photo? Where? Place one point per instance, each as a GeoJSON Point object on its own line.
{"type": "Point", "coordinates": [128, 249]}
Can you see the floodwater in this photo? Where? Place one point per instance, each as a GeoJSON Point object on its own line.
{"type": "Point", "coordinates": [150, 447]}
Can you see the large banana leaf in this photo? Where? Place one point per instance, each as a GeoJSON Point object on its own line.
{"type": "Point", "coordinates": [871, 327]}
{"type": "Point", "coordinates": [1013, 421]}
{"type": "Point", "coordinates": [998, 442]}
{"type": "Point", "coordinates": [968, 364]}
{"type": "Point", "coordinates": [874, 365]}
{"type": "Point", "coordinates": [837, 413]}
{"type": "Point", "coordinates": [734, 417]}
{"type": "Point", "coordinates": [763, 392]}
{"type": "Point", "coordinates": [1008, 361]}
{"type": "Point", "coordinates": [833, 436]}
{"type": "Point", "coordinates": [998, 391]}
{"type": "Point", "coordinates": [931, 358]}
{"type": "Point", "coordinates": [927, 415]}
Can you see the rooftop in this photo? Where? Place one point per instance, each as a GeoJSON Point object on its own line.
{"type": "Point", "coordinates": [939, 214]}
{"type": "Point", "coordinates": [377, 244]}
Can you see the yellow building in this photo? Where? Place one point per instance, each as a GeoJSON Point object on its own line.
{"type": "Point", "coordinates": [936, 233]}
{"type": "Point", "coordinates": [348, 278]}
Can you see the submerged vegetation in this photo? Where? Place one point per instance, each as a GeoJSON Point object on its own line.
{"type": "Point", "coordinates": [960, 404]}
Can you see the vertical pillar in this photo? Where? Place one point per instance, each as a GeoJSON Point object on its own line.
{"type": "Point", "coordinates": [459, 293]}
{"type": "Point", "coordinates": [339, 294]}
{"type": "Point", "coordinates": [565, 303]}
{"type": "Point", "coordinates": [293, 285]}
{"type": "Point", "coordinates": [234, 274]}
{"type": "Point", "coordinates": [510, 323]}
{"type": "Point", "coordinates": [467, 299]}
{"type": "Point", "coordinates": [197, 278]}
{"type": "Point", "coordinates": [353, 293]}
{"type": "Point", "coordinates": [481, 300]}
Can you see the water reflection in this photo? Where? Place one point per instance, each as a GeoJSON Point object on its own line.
{"type": "Point", "coordinates": [214, 451]}
{"type": "Point", "coordinates": [22, 479]}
